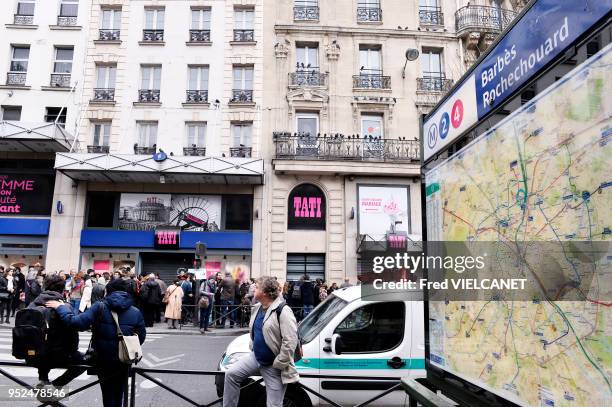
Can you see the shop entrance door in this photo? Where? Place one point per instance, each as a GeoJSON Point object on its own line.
{"type": "Point", "coordinates": [166, 264]}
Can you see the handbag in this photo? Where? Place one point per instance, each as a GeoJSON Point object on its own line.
{"type": "Point", "coordinates": [167, 295]}
{"type": "Point", "coordinates": [130, 350]}
{"type": "Point", "coordinates": [204, 302]}
{"type": "Point", "coordinates": [4, 296]}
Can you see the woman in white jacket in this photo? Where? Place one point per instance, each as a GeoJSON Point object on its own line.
{"type": "Point", "coordinates": [86, 297]}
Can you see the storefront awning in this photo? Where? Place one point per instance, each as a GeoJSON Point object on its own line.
{"type": "Point", "coordinates": [125, 168]}
{"type": "Point", "coordinates": [34, 137]}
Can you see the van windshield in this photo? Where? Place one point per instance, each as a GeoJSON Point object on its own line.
{"type": "Point", "coordinates": [315, 321]}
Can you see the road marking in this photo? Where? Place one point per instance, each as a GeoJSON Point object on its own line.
{"type": "Point", "coordinates": [148, 384]}
{"type": "Point", "coordinates": [158, 359]}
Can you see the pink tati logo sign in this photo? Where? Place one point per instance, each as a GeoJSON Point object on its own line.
{"type": "Point", "coordinates": [8, 189]}
{"type": "Point", "coordinates": [307, 207]}
{"type": "Point", "coordinates": [166, 238]}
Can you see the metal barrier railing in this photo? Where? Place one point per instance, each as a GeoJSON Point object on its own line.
{"type": "Point", "coordinates": [238, 315]}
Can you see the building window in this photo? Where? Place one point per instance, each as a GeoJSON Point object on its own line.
{"type": "Point", "coordinates": [307, 56]}
{"type": "Point", "coordinates": [307, 124]}
{"type": "Point", "coordinates": [111, 25]}
{"type": "Point", "coordinates": [244, 25]}
{"type": "Point", "coordinates": [105, 76]}
{"type": "Point", "coordinates": [300, 264]}
{"type": "Point", "coordinates": [196, 134]}
{"type": "Point", "coordinates": [242, 134]}
{"type": "Point", "coordinates": [372, 125]}
{"type": "Point", "coordinates": [101, 134]}
{"type": "Point", "coordinates": [69, 8]}
{"type": "Point", "coordinates": [200, 19]}
{"type": "Point", "coordinates": [237, 212]}
{"type": "Point", "coordinates": [528, 94]}
{"type": "Point", "coordinates": [370, 59]}
{"type": "Point", "coordinates": [25, 8]}
{"type": "Point", "coordinates": [306, 10]}
{"type": "Point", "coordinates": [306, 208]}
{"type": "Point", "coordinates": [56, 114]}
{"type": "Point", "coordinates": [198, 77]}
{"type": "Point", "coordinates": [151, 77]}
{"type": "Point", "coordinates": [19, 60]}
{"type": "Point", "coordinates": [11, 113]}
{"type": "Point", "coordinates": [361, 330]}
{"type": "Point", "coordinates": [369, 11]}
{"type": "Point", "coordinates": [147, 134]}
{"type": "Point", "coordinates": [430, 12]}
{"type": "Point", "coordinates": [431, 63]}
{"type": "Point", "coordinates": [63, 60]}
{"type": "Point", "coordinates": [154, 19]}
{"type": "Point", "coordinates": [243, 84]}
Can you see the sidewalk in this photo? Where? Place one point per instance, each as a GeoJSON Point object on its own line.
{"type": "Point", "coordinates": [162, 328]}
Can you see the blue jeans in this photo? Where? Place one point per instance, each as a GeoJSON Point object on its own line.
{"type": "Point", "coordinates": [308, 309]}
{"type": "Point", "coordinates": [204, 317]}
{"type": "Point", "coordinates": [227, 307]}
{"type": "Point", "coordinates": [75, 306]}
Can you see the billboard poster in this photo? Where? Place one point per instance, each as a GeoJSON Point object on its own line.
{"type": "Point", "coordinates": [195, 213]}
{"type": "Point", "coordinates": [382, 210]}
{"type": "Point", "coordinates": [26, 194]}
{"type": "Point", "coordinates": [212, 268]}
{"type": "Point", "coordinates": [240, 270]}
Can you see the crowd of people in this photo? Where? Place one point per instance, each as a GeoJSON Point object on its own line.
{"type": "Point", "coordinates": [303, 295]}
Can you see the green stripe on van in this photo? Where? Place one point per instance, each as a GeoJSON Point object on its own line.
{"type": "Point", "coordinates": [432, 188]}
{"type": "Point", "coordinates": [356, 364]}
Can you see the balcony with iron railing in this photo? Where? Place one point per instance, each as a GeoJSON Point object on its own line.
{"type": "Point", "coordinates": [371, 79]}
{"type": "Point", "coordinates": [197, 96]}
{"type": "Point", "coordinates": [242, 151]}
{"type": "Point", "coordinates": [340, 147]}
{"type": "Point", "coordinates": [307, 78]}
{"type": "Point", "coordinates": [109, 35]}
{"type": "Point", "coordinates": [16, 78]}
{"type": "Point", "coordinates": [145, 150]}
{"type": "Point", "coordinates": [98, 149]}
{"type": "Point", "coordinates": [242, 96]}
{"type": "Point", "coordinates": [23, 19]}
{"type": "Point", "coordinates": [434, 83]}
{"type": "Point", "coordinates": [60, 80]}
{"type": "Point", "coordinates": [67, 21]}
{"type": "Point", "coordinates": [244, 36]}
{"type": "Point", "coordinates": [482, 19]}
{"type": "Point", "coordinates": [104, 95]}
{"type": "Point", "coordinates": [194, 151]}
{"type": "Point", "coordinates": [431, 15]}
{"type": "Point", "coordinates": [149, 96]}
{"type": "Point", "coordinates": [152, 35]}
{"type": "Point", "coordinates": [199, 36]}
{"type": "Point", "coordinates": [306, 10]}
{"type": "Point", "coordinates": [369, 14]}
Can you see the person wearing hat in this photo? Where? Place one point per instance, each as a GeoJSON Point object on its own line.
{"type": "Point", "coordinates": [112, 373]}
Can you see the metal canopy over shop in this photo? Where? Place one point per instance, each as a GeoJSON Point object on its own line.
{"type": "Point", "coordinates": [174, 169]}
{"type": "Point", "coordinates": [34, 137]}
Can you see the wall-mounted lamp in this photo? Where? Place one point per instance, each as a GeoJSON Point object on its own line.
{"type": "Point", "coordinates": [224, 257]}
{"type": "Point", "coordinates": [411, 55]}
{"type": "Point", "coordinates": [243, 257]}
{"type": "Point", "coordinates": [352, 215]}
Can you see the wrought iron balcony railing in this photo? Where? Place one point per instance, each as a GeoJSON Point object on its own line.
{"type": "Point", "coordinates": [434, 84]}
{"type": "Point", "coordinates": [145, 150]}
{"type": "Point", "coordinates": [16, 78]}
{"type": "Point", "coordinates": [308, 78]}
{"type": "Point", "coordinates": [341, 147]}
{"type": "Point", "coordinates": [23, 19]}
{"type": "Point", "coordinates": [104, 94]}
{"type": "Point", "coordinates": [369, 14]}
{"type": "Point", "coordinates": [431, 15]}
{"type": "Point", "coordinates": [194, 151]}
{"type": "Point", "coordinates": [199, 35]}
{"type": "Point", "coordinates": [67, 21]}
{"type": "Point", "coordinates": [109, 35]}
{"type": "Point", "coordinates": [197, 96]}
{"type": "Point", "coordinates": [244, 152]}
{"type": "Point", "coordinates": [242, 96]}
{"type": "Point", "coordinates": [306, 13]}
{"type": "Point", "coordinates": [149, 95]}
{"type": "Point", "coordinates": [482, 19]}
{"type": "Point", "coordinates": [153, 35]}
{"type": "Point", "coordinates": [60, 80]}
{"type": "Point", "coordinates": [371, 81]}
{"type": "Point", "coordinates": [244, 35]}
{"type": "Point", "coordinates": [98, 149]}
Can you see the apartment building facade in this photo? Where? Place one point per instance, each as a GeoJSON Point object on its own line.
{"type": "Point", "coordinates": [41, 62]}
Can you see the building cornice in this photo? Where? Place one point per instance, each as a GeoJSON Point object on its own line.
{"type": "Point", "coordinates": [369, 31]}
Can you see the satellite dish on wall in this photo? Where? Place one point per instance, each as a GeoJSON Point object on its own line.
{"type": "Point", "coordinates": [412, 54]}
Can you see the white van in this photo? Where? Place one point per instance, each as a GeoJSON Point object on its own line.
{"type": "Point", "coordinates": [350, 335]}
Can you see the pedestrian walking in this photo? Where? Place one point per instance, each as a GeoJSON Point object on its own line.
{"type": "Point", "coordinates": [77, 285]}
{"type": "Point", "coordinates": [273, 333]}
{"type": "Point", "coordinates": [174, 302]}
{"type": "Point", "coordinates": [112, 373]}
{"type": "Point", "coordinates": [150, 298]}
{"type": "Point", "coordinates": [228, 287]}
{"type": "Point", "coordinates": [205, 302]}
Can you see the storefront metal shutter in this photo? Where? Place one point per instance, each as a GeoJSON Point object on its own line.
{"type": "Point", "coordinates": [166, 264]}
{"type": "Point", "coordinates": [298, 264]}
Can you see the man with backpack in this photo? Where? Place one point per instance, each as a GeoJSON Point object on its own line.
{"type": "Point", "coordinates": [275, 347]}
{"type": "Point", "coordinates": [43, 340]}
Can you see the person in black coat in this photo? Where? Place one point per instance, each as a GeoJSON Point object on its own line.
{"type": "Point", "coordinates": [150, 298]}
{"type": "Point", "coordinates": [19, 285]}
{"type": "Point", "coordinates": [111, 371]}
{"type": "Point", "coordinates": [62, 341]}
{"type": "Point", "coordinates": [308, 294]}
{"type": "Point", "coordinates": [5, 297]}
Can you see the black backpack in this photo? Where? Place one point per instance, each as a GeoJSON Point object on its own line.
{"type": "Point", "coordinates": [298, 352]}
{"type": "Point", "coordinates": [30, 334]}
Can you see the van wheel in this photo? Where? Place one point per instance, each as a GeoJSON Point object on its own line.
{"type": "Point", "coordinates": [294, 397]}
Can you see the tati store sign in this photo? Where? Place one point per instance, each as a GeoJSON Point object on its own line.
{"type": "Point", "coordinates": [167, 238]}
{"type": "Point", "coordinates": [306, 208]}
